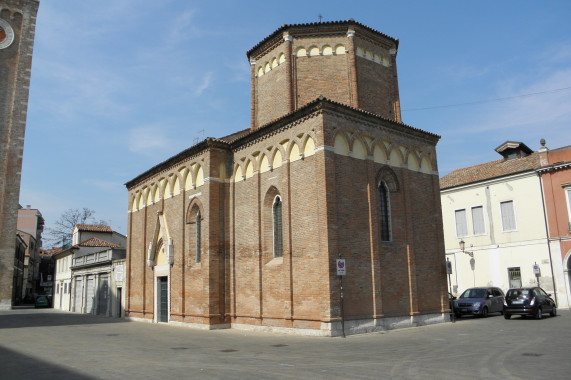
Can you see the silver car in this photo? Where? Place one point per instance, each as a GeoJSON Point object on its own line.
{"type": "Point", "coordinates": [479, 302]}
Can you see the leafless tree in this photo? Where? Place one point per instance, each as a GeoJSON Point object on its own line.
{"type": "Point", "coordinates": [59, 235]}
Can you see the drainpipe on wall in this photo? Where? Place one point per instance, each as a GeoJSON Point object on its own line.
{"type": "Point", "coordinates": [547, 237]}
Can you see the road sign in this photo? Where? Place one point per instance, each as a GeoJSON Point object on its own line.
{"type": "Point", "coordinates": [536, 270]}
{"type": "Point", "coordinates": [341, 267]}
{"type": "Point", "coordinates": [448, 266]}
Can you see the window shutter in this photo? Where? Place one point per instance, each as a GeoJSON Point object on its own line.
{"type": "Point", "coordinates": [461, 224]}
{"type": "Point", "coordinates": [478, 220]}
{"type": "Point", "coordinates": [508, 216]}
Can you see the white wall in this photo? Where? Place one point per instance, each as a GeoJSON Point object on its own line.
{"type": "Point", "coordinates": [62, 282]}
{"type": "Point", "coordinates": [497, 250]}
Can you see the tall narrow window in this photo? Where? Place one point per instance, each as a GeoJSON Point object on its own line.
{"type": "Point", "coordinates": [461, 224]}
{"type": "Point", "coordinates": [278, 230]}
{"type": "Point", "coordinates": [508, 216]}
{"type": "Point", "coordinates": [384, 212]}
{"type": "Point", "coordinates": [478, 220]}
{"type": "Point", "coordinates": [198, 233]}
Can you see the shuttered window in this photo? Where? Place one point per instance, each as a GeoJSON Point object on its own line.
{"type": "Point", "coordinates": [478, 220]}
{"type": "Point", "coordinates": [508, 216]}
{"type": "Point", "coordinates": [461, 224]}
{"type": "Point", "coordinates": [277, 227]}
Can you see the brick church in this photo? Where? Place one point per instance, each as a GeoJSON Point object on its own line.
{"type": "Point", "coordinates": [244, 231]}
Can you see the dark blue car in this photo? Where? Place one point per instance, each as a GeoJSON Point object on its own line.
{"type": "Point", "coordinates": [529, 302]}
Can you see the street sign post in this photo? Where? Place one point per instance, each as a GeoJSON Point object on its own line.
{"type": "Point", "coordinates": [537, 272]}
{"type": "Point", "coordinates": [341, 271]}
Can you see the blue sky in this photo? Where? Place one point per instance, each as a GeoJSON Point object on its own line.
{"type": "Point", "coordinates": [121, 85]}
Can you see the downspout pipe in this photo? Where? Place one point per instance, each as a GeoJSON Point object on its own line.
{"type": "Point", "coordinates": [547, 236]}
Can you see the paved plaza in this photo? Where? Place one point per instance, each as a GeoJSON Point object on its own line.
{"type": "Point", "coordinates": [49, 344]}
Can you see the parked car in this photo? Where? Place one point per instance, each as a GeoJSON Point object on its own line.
{"type": "Point", "coordinates": [529, 301]}
{"type": "Point", "coordinates": [42, 300]}
{"type": "Point", "coordinates": [479, 302]}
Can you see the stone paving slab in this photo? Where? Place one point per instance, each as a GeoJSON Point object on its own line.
{"type": "Point", "coordinates": [49, 344]}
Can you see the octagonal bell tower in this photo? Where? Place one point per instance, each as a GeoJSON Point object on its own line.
{"type": "Point", "coordinates": [344, 61]}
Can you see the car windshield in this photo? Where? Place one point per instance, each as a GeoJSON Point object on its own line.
{"type": "Point", "coordinates": [474, 293]}
{"type": "Point", "coordinates": [518, 293]}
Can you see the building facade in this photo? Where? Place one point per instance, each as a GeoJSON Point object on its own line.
{"type": "Point", "coordinates": [497, 210]}
{"type": "Point", "coordinates": [30, 227]}
{"type": "Point", "coordinates": [244, 231]}
{"type": "Point", "coordinates": [98, 282]}
{"type": "Point", "coordinates": [83, 281]}
{"type": "Point", "coordinates": [555, 175]}
{"type": "Point", "coordinates": [18, 273]}
{"type": "Point", "coordinates": [62, 280]}
{"type": "Point", "coordinates": [17, 28]}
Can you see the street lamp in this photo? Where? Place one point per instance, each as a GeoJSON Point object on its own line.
{"type": "Point", "coordinates": [463, 247]}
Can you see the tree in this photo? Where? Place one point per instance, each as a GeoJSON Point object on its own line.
{"type": "Point", "coordinates": [61, 232]}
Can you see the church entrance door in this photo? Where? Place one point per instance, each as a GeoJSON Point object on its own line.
{"type": "Point", "coordinates": [163, 299]}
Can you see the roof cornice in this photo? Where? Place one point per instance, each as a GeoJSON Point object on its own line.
{"type": "Point", "coordinates": [196, 149]}
{"type": "Point", "coordinates": [317, 28]}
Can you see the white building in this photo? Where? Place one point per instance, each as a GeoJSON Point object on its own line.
{"type": "Point", "coordinates": [496, 209]}
{"type": "Point", "coordinates": [98, 282]}
{"type": "Point", "coordinates": [62, 282]}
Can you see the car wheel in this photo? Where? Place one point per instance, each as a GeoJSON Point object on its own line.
{"type": "Point", "coordinates": [484, 313]}
{"type": "Point", "coordinates": [538, 313]}
{"type": "Point", "coordinates": [507, 316]}
{"type": "Point", "coordinates": [553, 312]}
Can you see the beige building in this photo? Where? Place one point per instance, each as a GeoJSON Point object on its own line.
{"type": "Point", "coordinates": [496, 209]}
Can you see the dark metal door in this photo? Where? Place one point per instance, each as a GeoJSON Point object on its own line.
{"type": "Point", "coordinates": [119, 302]}
{"type": "Point", "coordinates": [103, 301]}
{"type": "Point", "coordinates": [163, 294]}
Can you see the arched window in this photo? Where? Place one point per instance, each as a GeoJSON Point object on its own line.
{"type": "Point", "coordinates": [193, 235]}
{"type": "Point", "coordinates": [198, 233]}
{"type": "Point", "coordinates": [277, 227]}
{"type": "Point", "coordinates": [384, 212]}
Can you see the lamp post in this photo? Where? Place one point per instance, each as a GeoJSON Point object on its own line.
{"type": "Point", "coordinates": [462, 244]}
{"type": "Point", "coordinates": [463, 247]}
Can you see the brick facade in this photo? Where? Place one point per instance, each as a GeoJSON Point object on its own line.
{"type": "Point", "coordinates": [15, 66]}
{"type": "Point", "coordinates": [320, 163]}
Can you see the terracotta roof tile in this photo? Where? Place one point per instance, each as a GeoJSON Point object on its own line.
{"type": "Point", "coordinates": [93, 228]}
{"type": "Point", "coordinates": [488, 170]}
{"type": "Point", "coordinates": [95, 242]}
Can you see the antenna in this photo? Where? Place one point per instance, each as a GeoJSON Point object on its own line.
{"type": "Point", "coordinates": [320, 17]}
{"type": "Point", "coordinates": [196, 140]}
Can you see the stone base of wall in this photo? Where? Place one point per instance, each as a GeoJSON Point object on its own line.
{"type": "Point", "coordinates": [333, 329]}
{"type": "Point", "coordinates": [6, 304]}
{"type": "Point", "coordinates": [364, 326]}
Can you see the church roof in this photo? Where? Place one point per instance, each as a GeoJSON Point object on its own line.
{"type": "Point", "coordinates": [489, 170]}
{"type": "Point", "coordinates": [237, 139]}
{"type": "Point", "coordinates": [331, 26]}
